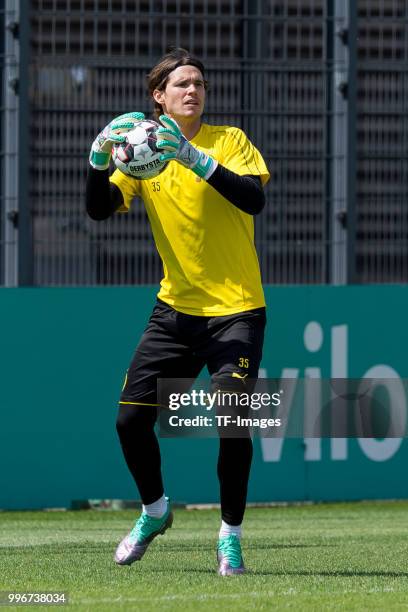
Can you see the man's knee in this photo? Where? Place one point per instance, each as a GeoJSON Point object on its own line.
{"type": "Point", "coordinates": [228, 383]}
{"type": "Point", "coordinates": [231, 401]}
{"type": "Point", "coordinates": [135, 419]}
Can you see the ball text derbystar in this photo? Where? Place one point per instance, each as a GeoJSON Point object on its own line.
{"type": "Point", "coordinates": [143, 167]}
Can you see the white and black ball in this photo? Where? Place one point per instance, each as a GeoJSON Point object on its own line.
{"type": "Point", "coordinates": [138, 156]}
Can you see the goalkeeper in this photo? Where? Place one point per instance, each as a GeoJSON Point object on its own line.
{"type": "Point", "coordinates": [210, 309]}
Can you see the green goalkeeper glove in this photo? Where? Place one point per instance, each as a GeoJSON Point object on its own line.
{"type": "Point", "coordinates": [101, 149]}
{"type": "Point", "coordinates": [178, 148]}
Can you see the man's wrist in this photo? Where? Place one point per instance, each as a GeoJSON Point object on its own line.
{"type": "Point", "coordinates": [205, 166]}
{"type": "Point", "coordinates": [99, 160]}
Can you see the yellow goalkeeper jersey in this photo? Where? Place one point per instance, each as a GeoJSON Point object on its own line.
{"type": "Point", "coordinates": [205, 242]}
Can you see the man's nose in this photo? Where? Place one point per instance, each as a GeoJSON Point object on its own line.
{"type": "Point", "coordinates": [192, 87]}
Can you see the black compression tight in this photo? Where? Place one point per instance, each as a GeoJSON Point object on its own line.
{"type": "Point", "coordinates": [135, 426]}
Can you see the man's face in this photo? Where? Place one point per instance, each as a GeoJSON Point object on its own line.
{"type": "Point", "coordinates": [184, 95]}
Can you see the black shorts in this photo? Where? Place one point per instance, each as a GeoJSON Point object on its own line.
{"type": "Point", "coordinates": [177, 345]}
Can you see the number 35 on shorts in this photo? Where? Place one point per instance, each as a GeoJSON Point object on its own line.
{"type": "Point", "coordinates": [243, 362]}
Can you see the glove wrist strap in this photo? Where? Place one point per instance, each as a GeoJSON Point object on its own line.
{"type": "Point", "coordinates": [99, 160]}
{"type": "Point", "coordinates": [205, 166]}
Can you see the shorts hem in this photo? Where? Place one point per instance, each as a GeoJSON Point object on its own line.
{"type": "Point", "coordinates": [139, 403]}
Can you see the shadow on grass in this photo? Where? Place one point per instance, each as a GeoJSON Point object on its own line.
{"type": "Point", "coordinates": [334, 573]}
{"type": "Point", "coordinates": [57, 549]}
{"type": "Point", "coordinates": [276, 546]}
{"type": "Point", "coordinates": [255, 573]}
{"type": "Point", "coordinates": [61, 548]}
{"type": "Point", "coordinates": [151, 567]}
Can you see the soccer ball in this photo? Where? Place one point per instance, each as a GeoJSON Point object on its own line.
{"type": "Point", "coordinates": [138, 155]}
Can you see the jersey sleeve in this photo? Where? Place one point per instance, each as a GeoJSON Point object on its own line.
{"type": "Point", "coordinates": [129, 187]}
{"type": "Point", "coordinates": [240, 156]}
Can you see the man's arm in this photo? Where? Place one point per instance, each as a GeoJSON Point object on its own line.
{"type": "Point", "coordinates": [102, 197]}
{"type": "Point", "coordinates": [245, 192]}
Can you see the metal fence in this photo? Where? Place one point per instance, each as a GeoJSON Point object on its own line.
{"type": "Point", "coordinates": [281, 70]}
{"type": "Point", "coordinates": [382, 127]}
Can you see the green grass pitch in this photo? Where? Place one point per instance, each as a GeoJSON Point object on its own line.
{"type": "Point", "coordinates": [318, 557]}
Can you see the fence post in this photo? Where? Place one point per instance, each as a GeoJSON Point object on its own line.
{"type": "Point", "coordinates": [10, 102]}
{"type": "Point", "coordinates": [343, 139]}
{"type": "Point", "coordinates": [352, 143]}
{"type": "Point", "coordinates": [25, 237]}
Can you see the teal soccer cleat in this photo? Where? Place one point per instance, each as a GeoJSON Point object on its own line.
{"type": "Point", "coordinates": [134, 545]}
{"type": "Point", "coordinates": [229, 556]}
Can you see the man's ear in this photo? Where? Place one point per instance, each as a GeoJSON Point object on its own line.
{"type": "Point", "coordinates": [158, 96]}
